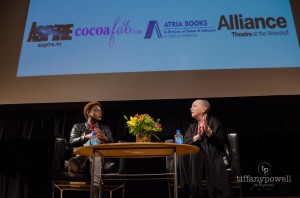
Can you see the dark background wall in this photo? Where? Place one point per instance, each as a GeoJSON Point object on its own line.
{"type": "Point", "coordinates": [268, 129]}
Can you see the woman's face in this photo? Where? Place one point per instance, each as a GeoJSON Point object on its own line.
{"type": "Point", "coordinates": [197, 109]}
{"type": "Point", "coordinates": [96, 113]}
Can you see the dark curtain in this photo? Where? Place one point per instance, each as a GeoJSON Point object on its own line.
{"type": "Point", "coordinates": [268, 129]}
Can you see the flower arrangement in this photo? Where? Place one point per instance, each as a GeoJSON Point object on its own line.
{"type": "Point", "coordinates": [143, 124]}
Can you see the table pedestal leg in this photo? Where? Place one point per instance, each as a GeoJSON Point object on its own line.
{"type": "Point", "coordinates": [175, 176]}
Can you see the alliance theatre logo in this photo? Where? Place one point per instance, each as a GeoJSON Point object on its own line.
{"type": "Point", "coordinates": [264, 182]}
{"type": "Point", "coordinates": [253, 26]}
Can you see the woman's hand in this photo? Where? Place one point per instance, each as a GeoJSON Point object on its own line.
{"type": "Point", "coordinates": [205, 126]}
{"type": "Point", "coordinates": [100, 135]}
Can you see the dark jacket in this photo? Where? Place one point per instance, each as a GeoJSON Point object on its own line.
{"type": "Point", "coordinates": [80, 130]}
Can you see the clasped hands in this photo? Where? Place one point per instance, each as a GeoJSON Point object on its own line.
{"type": "Point", "coordinates": [99, 134]}
{"type": "Point", "coordinates": [203, 127]}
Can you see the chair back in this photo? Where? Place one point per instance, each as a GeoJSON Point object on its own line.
{"type": "Point", "coordinates": [234, 154]}
{"type": "Point", "coordinates": [58, 158]}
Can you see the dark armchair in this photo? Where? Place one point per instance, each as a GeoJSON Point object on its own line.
{"type": "Point", "coordinates": [81, 180]}
{"type": "Point", "coordinates": [234, 168]}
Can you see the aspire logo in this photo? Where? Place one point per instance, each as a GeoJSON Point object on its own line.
{"type": "Point", "coordinates": [41, 33]}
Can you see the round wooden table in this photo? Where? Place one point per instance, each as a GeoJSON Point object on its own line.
{"type": "Point", "coordinates": [137, 150]}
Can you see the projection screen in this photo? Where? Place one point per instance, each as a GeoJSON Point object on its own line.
{"type": "Point", "coordinates": [71, 51]}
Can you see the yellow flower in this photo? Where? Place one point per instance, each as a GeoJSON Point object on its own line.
{"type": "Point", "coordinates": [132, 121]}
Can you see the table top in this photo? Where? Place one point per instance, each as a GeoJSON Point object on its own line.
{"type": "Point", "coordinates": [137, 150]}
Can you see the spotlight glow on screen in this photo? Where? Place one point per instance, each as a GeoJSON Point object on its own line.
{"type": "Point", "coordinates": [78, 37]}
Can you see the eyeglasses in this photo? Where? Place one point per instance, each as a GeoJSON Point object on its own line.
{"type": "Point", "coordinates": [98, 110]}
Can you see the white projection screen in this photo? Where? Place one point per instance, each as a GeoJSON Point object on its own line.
{"type": "Point", "coordinates": [73, 51]}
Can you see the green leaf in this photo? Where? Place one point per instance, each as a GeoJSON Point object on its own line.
{"type": "Point", "coordinates": [155, 136]}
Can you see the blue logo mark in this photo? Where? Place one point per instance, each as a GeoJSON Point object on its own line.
{"type": "Point", "coordinates": [153, 25]}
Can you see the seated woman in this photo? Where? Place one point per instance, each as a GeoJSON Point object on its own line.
{"type": "Point", "coordinates": [81, 134]}
{"type": "Point", "coordinates": [208, 134]}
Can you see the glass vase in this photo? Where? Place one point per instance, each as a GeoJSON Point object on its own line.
{"type": "Point", "coordinates": [143, 138]}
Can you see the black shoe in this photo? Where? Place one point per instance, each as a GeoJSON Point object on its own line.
{"type": "Point", "coordinates": [73, 167]}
